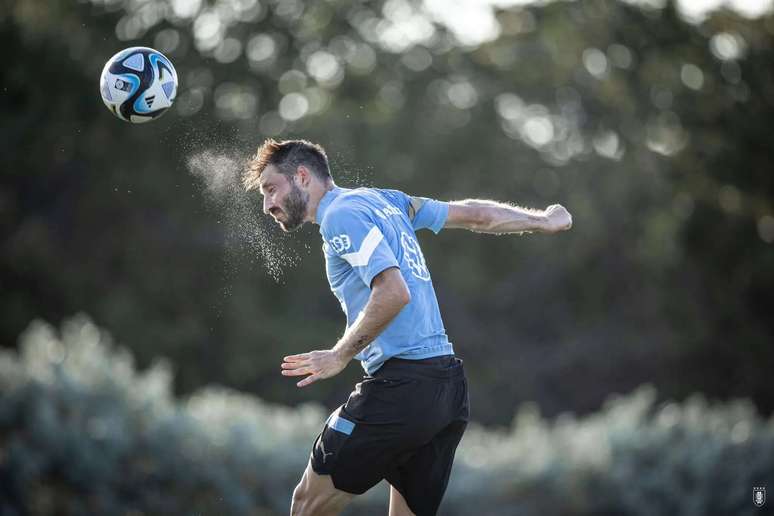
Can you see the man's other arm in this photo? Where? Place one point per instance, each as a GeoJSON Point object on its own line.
{"type": "Point", "coordinates": [493, 217]}
{"type": "Point", "coordinates": [389, 294]}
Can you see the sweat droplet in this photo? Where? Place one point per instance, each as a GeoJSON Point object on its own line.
{"type": "Point", "coordinates": [245, 228]}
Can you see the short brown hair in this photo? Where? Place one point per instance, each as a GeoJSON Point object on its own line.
{"type": "Point", "coordinates": [286, 155]}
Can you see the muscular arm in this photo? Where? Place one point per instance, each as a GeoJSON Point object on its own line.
{"type": "Point", "coordinates": [389, 294]}
{"type": "Point", "coordinates": [485, 216]}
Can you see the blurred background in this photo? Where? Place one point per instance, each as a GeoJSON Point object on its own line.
{"type": "Point", "coordinates": [624, 367]}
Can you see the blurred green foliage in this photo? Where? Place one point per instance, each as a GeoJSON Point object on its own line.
{"type": "Point", "coordinates": [83, 431]}
{"type": "Point", "coordinates": [653, 131]}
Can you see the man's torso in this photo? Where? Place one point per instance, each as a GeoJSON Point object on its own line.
{"type": "Point", "coordinates": [366, 231]}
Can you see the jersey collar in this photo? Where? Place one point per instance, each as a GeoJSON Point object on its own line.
{"type": "Point", "coordinates": [326, 201]}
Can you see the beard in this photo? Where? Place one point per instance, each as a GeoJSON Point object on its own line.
{"type": "Point", "coordinates": [294, 208]}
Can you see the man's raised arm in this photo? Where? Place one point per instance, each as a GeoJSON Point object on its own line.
{"type": "Point", "coordinates": [485, 216]}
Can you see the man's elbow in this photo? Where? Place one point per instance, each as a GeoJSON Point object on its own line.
{"type": "Point", "coordinates": [400, 293]}
{"type": "Point", "coordinates": [390, 285]}
{"type": "Point", "coordinates": [403, 295]}
{"type": "Point", "coordinates": [472, 215]}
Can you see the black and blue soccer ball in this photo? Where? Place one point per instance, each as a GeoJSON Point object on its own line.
{"type": "Point", "coordinates": [138, 84]}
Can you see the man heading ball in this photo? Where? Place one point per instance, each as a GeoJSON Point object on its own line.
{"type": "Point", "coordinates": [403, 422]}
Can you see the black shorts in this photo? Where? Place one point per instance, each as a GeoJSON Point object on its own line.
{"type": "Point", "coordinates": [402, 424]}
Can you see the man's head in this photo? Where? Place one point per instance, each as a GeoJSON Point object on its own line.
{"type": "Point", "coordinates": [292, 175]}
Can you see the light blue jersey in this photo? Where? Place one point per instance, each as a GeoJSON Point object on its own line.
{"type": "Point", "coordinates": [368, 230]}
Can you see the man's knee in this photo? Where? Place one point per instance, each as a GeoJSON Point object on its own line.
{"type": "Point", "coordinates": [300, 501]}
{"type": "Point", "coordinates": [308, 501]}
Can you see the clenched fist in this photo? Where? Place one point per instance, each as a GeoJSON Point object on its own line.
{"type": "Point", "coordinates": [557, 218]}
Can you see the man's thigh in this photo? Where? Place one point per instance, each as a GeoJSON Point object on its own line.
{"type": "Point", "coordinates": [355, 448]}
{"type": "Point", "coordinates": [316, 495]}
{"type": "Point", "coordinates": [398, 504]}
{"type": "Point", "coordinates": [422, 480]}
{"type": "Point", "coordinates": [363, 439]}
{"type": "Point", "coordinates": [385, 422]}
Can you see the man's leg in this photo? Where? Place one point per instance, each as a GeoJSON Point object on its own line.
{"type": "Point", "coordinates": [315, 495]}
{"type": "Point", "coordinates": [398, 505]}
{"type": "Point", "coordinates": [423, 478]}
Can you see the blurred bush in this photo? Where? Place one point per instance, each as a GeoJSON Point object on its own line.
{"type": "Point", "coordinates": [82, 431]}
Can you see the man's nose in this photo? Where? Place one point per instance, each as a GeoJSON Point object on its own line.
{"type": "Point", "coordinates": [268, 204]}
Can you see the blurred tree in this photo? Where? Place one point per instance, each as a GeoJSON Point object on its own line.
{"type": "Point", "coordinates": [653, 131]}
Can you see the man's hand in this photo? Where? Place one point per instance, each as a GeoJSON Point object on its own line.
{"type": "Point", "coordinates": [389, 294]}
{"type": "Point", "coordinates": [557, 219]}
{"type": "Point", "coordinates": [317, 364]}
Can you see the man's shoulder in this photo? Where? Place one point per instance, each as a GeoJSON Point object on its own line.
{"type": "Point", "coordinates": [382, 200]}
{"type": "Point", "coordinates": [363, 199]}
{"type": "Point", "coordinates": [364, 203]}
{"type": "Point", "coordinates": [367, 194]}
{"type": "Point", "coordinates": [349, 205]}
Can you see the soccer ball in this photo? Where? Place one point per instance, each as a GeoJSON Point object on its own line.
{"type": "Point", "coordinates": [138, 84]}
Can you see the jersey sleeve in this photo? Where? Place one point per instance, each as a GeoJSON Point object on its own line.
{"type": "Point", "coordinates": [424, 213]}
{"type": "Point", "coordinates": [429, 213]}
{"type": "Point", "coordinates": [353, 235]}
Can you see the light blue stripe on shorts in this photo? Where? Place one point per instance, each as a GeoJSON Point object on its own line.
{"type": "Point", "coordinates": [340, 424]}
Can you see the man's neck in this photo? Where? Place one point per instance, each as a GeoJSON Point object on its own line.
{"type": "Point", "coordinates": [314, 201]}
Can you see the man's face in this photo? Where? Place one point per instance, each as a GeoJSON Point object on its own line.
{"type": "Point", "coordinates": [283, 199]}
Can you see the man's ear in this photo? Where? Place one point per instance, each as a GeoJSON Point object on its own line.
{"type": "Point", "coordinates": [304, 175]}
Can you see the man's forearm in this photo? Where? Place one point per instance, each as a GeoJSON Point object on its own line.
{"type": "Point", "coordinates": [378, 313]}
{"type": "Point", "coordinates": [498, 218]}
